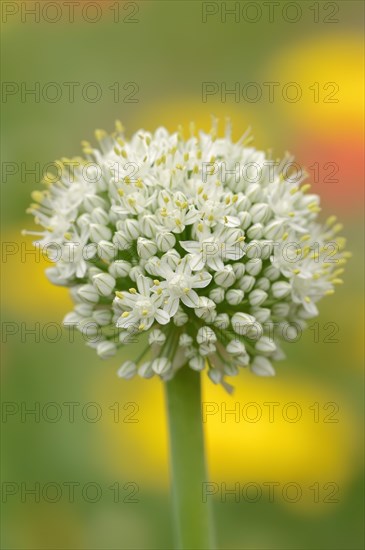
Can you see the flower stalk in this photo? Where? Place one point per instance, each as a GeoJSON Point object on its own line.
{"type": "Point", "coordinates": [192, 517]}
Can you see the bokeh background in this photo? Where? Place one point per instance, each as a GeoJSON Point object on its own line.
{"type": "Point", "coordinates": [168, 52]}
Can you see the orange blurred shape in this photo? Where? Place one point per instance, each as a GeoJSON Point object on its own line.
{"type": "Point", "coordinates": [335, 166]}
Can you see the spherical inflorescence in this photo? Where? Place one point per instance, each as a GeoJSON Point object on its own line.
{"type": "Point", "coordinates": [209, 246]}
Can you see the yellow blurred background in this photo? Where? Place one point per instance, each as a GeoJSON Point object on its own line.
{"type": "Point", "coordinates": [168, 52]}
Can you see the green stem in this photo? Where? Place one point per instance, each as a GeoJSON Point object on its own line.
{"type": "Point", "coordinates": [192, 517]}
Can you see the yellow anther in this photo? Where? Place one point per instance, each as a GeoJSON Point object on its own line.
{"type": "Point", "coordinates": [119, 294]}
{"type": "Point", "coordinates": [285, 236]}
{"type": "Point", "coordinates": [305, 187]}
{"type": "Point", "coordinates": [228, 200]}
{"type": "Point", "coordinates": [307, 299]}
{"type": "Point", "coordinates": [141, 326]}
{"type": "Point", "coordinates": [196, 169]}
{"type": "Point", "coordinates": [337, 281]}
{"type": "Point", "coordinates": [341, 242]}
{"type": "Point", "coordinates": [235, 198]}
{"type": "Point", "coordinates": [198, 154]}
{"type": "Point", "coordinates": [337, 228]}
{"type": "Point", "coordinates": [120, 192]}
{"type": "Point", "coordinates": [37, 196]}
{"type": "Point", "coordinates": [124, 154]}
{"type": "Point", "coordinates": [186, 157]}
{"type": "Point", "coordinates": [296, 271]}
{"type": "Point", "coordinates": [205, 196]}
{"type": "Point", "coordinates": [331, 220]}
{"type": "Point", "coordinates": [100, 134]}
{"type": "Point", "coordinates": [145, 312]}
{"type": "Point", "coordinates": [125, 314]}
{"type": "Point", "coordinates": [132, 291]}
{"type": "Point", "coordinates": [119, 126]}
{"type": "Point", "coordinates": [294, 190]}
{"type": "Point", "coordinates": [200, 227]}
{"type": "Point", "coordinates": [305, 238]}
{"type": "Point", "coordinates": [156, 282]}
{"type": "Point", "coordinates": [68, 236]}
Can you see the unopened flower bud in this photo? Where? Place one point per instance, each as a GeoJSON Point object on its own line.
{"type": "Point", "coordinates": [127, 370]}
{"type": "Point", "coordinates": [225, 277]}
{"type": "Point", "coordinates": [234, 296]}
{"type": "Point", "coordinates": [102, 316]}
{"type": "Point", "coordinates": [260, 212]}
{"type": "Point", "coordinates": [106, 349]}
{"type": "Point", "coordinates": [106, 250]}
{"type": "Point", "coordinates": [146, 248]}
{"type": "Point", "coordinates": [265, 345]}
{"type": "Point", "coordinates": [280, 289]}
{"type": "Point", "coordinates": [104, 283]}
{"type": "Point", "coordinates": [257, 297]}
{"type": "Point", "coordinates": [161, 365]}
{"type": "Point", "coordinates": [88, 293]}
{"type": "Point", "coordinates": [254, 266]}
{"type": "Point", "coordinates": [120, 269]}
{"type": "Point", "coordinates": [262, 366]}
{"type": "Point", "coordinates": [217, 295]}
{"type": "Point", "coordinates": [165, 241]}
{"type": "Point", "coordinates": [100, 232]}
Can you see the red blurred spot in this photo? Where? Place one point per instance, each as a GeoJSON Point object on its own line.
{"type": "Point", "coordinates": [336, 170]}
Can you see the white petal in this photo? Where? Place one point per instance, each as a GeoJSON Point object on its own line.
{"type": "Point", "coordinates": [191, 246]}
{"type": "Point", "coordinates": [190, 299]}
{"type": "Point", "coordinates": [162, 316]}
{"type": "Point", "coordinates": [172, 306]}
{"type": "Point", "coordinates": [231, 221]}
{"type": "Point", "coordinates": [196, 262]}
{"type": "Point", "coordinates": [143, 285]}
{"type": "Point", "coordinates": [215, 263]}
{"type": "Point", "coordinates": [201, 280]}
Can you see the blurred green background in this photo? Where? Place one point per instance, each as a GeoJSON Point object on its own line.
{"type": "Point", "coordinates": [168, 52]}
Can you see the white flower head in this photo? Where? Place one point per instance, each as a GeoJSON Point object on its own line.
{"type": "Point", "coordinates": [203, 261]}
